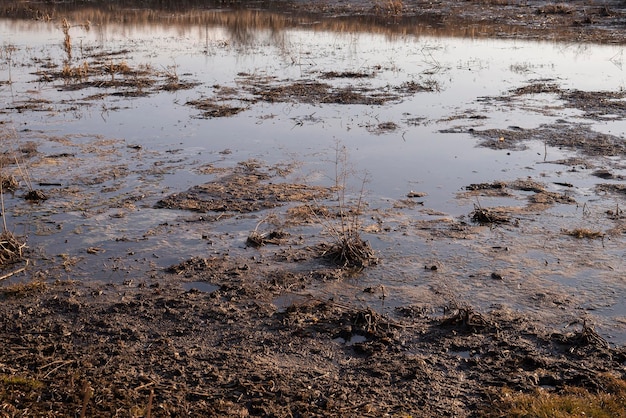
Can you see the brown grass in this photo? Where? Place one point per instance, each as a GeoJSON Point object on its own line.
{"type": "Point", "coordinates": [584, 233]}
{"type": "Point", "coordinates": [22, 289]}
{"type": "Point", "coordinates": [568, 402]}
{"type": "Point", "coordinates": [11, 249]}
{"type": "Point", "coordinates": [555, 8]}
{"type": "Point", "coordinates": [67, 41]}
{"type": "Point", "coordinates": [77, 72]}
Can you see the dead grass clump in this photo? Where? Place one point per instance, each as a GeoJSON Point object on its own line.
{"type": "Point", "coordinates": [488, 216]}
{"type": "Point", "coordinates": [567, 402]}
{"type": "Point", "coordinates": [305, 91]}
{"type": "Point", "coordinates": [212, 109]}
{"type": "Point", "coordinates": [348, 249]}
{"type": "Point", "coordinates": [77, 73]}
{"type": "Point", "coordinates": [119, 68]}
{"type": "Point", "coordinates": [486, 186]}
{"type": "Point", "coordinates": [275, 236]}
{"type": "Point", "coordinates": [383, 127]}
{"type": "Point", "coordinates": [411, 87]}
{"type": "Point", "coordinates": [346, 74]}
{"type": "Point", "coordinates": [536, 88]}
{"type": "Point", "coordinates": [389, 7]}
{"type": "Point", "coordinates": [350, 252]}
{"type": "Point", "coordinates": [22, 289]}
{"type": "Point", "coordinates": [465, 317]}
{"type": "Point", "coordinates": [581, 233]}
{"type": "Point", "coordinates": [308, 213]}
{"type": "Point", "coordinates": [8, 183]}
{"type": "Point", "coordinates": [256, 239]}
{"type": "Point", "coordinates": [67, 40]}
{"type": "Point", "coordinates": [11, 249]}
{"type": "Point", "coordinates": [555, 9]}
{"type": "Point", "coordinates": [35, 196]}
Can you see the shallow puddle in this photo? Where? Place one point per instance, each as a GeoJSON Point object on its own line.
{"type": "Point", "coordinates": [200, 287]}
{"type": "Point", "coordinates": [123, 116]}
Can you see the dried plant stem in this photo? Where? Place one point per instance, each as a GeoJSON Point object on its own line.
{"type": "Point", "coordinates": [348, 249]}
{"type": "Point", "coordinates": [4, 218]}
{"type": "Point", "coordinates": [149, 407]}
{"type": "Point", "coordinates": [6, 276]}
{"type": "Point", "coordinates": [87, 393]}
{"type": "Point", "coordinates": [25, 175]}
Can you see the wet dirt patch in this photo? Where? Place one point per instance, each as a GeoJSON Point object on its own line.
{"type": "Point", "coordinates": [109, 358]}
{"type": "Point", "coordinates": [252, 88]}
{"type": "Point", "coordinates": [572, 136]}
{"type": "Point", "coordinates": [108, 71]}
{"type": "Point", "coordinates": [241, 193]}
{"type": "Point", "coordinates": [212, 109]}
{"type": "Point", "coordinates": [596, 105]}
{"type": "Point", "coordinates": [315, 92]}
{"type": "Point", "coordinates": [616, 189]}
{"type": "Point", "coordinates": [540, 195]}
{"type": "Point", "coordinates": [346, 74]}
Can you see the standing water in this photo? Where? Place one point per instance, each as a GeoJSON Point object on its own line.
{"type": "Point", "coordinates": [490, 172]}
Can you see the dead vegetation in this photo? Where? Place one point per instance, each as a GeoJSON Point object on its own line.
{"type": "Point", "coordinates": [11, 249]}
{"type": "Point", "coordinates": [555, 8]}
{"type": "Point", "coordinates": [23, 289]}
{"type": "Point", "coordinates": [586, 233]}
{"type": "Point", "coordinates": [106, 70]}
{"type": "Point", "coordinates": [275, 235]}
{"type": "Point", "coordinates": [240, 193]}
{"type": "Point", "coordinates": [315, 92]}
{"type": "Point", "coordinates": [212, 109]}
{"type": "Point", "coordinates": [487, 216]}
{"type": "Point", "coordinates": [578, 137]}
{"type": "Point", "coordinates": [594, 104]}
{"type": "Point", "coordinates": [567, 401]}
{"type": "Point", "coordinates": [224, 354]}
{"type": "Point", "coordinates": [347, 248]}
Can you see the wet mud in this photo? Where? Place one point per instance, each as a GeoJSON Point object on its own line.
{"type": "Point", "coordinates": [233, 352]}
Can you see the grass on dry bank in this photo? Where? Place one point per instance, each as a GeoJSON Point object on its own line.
{"type": "Point", "coordinates": [608, 402]}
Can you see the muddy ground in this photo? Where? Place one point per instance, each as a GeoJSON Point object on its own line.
{"type": "Point", "coordinates": [248, 338]}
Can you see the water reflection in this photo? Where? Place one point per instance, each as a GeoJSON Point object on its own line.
{"type": "Point", "coordinates": [242, 24]}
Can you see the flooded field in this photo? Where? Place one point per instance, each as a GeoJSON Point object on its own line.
{"type": "Point", "coordinates": [236, 155]}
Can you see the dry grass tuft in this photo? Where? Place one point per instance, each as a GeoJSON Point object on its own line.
{"type": "Point", "coordinates": [11, 249]}
{"type": "Point", "coordinates": [8, 183]}
{"type": "Point", "coordinates": [581, 233]}
{"type": "Point", "coordinates": [23, 289]}
{"type": "Point", "coordinates": [555, 9]}
{"type": "Point", "coordinates": [20, 381]}
{"type": "Point", "coordinates": [567, 402]}
{"type": "Point", "coordinates": [486, 216]}
{"type": "Point", "coordinates": [67, 40]}
{"type": "Point", "coordinates": [348, 249]}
